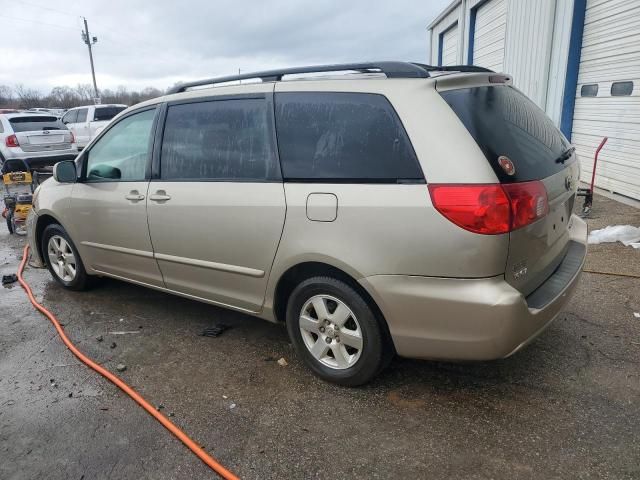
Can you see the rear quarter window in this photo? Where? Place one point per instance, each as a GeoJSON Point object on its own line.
{"type": "Point", "coordinates": [504, 122]}
{"type": "Point", "coordinates": [106, 113]}
{"type": "Point", "coordinates": [343, 137]}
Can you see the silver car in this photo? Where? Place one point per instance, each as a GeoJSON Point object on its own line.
{"type": "Point", "coordinates": [397, 209]}
{"type": "Point", "coordinates": [38, 138]}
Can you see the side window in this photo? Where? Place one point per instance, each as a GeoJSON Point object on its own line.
{"type": "Point", "coordinates": [354, 137]}
{"type": "Point", "coordinates": [620, 89]}
{"type": "Point", "coordinates": [70, 117]}
{"type": "Point", "coordinates": [121, 154]}
{"type": "Point", "coordinates": [218, 140]}
{"type": "Point", "coordinates": [590, 90]}
{"type": "Point", "coordinates": [82, 115]}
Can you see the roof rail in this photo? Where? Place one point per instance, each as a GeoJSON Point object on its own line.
{"type": "Point", "coordinates": [390, 69]}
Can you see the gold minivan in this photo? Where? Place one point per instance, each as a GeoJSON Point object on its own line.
{"type": "Point", "coordinates": [389, 208]}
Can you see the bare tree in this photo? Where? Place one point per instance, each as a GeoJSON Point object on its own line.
{"type": "Point", "coordinates": [67, 97]}
{"type": "Point", "coordinates": [6, 96]}
{"type": "Point", "coordinates": [28, 97]}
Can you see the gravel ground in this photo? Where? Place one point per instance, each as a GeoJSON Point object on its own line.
{"type": "Point", "coordinates": [568, 406]}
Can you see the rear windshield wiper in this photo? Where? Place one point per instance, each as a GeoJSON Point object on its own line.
{"type": "Point", "coordinates": [565, 155]}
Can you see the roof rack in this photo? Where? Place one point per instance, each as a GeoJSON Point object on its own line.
{"type": "Point", "coordinates": [390, 69]}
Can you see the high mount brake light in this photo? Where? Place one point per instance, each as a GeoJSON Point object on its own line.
{"type": "Point", "coordinates": [491, 209]}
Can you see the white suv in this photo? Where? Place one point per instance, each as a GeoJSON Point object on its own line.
{"type": "Point", "coordinates": [40, 139]}
{"type": "Point", "coordinates": [86, 122]}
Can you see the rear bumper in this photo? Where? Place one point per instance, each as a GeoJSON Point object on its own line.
{"type": "Point", "coordinates": [473, 319]}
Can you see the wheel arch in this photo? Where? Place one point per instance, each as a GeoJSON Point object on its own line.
{"type": "Point", "coordinates": [308, 269]}
{"type": "Point", "coordinates": [44, 220]}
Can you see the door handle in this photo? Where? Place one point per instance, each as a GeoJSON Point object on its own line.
{"type": "Point", "coordinates": [160, 196]}
{"type": "Point", "coordinates": [134, 196]}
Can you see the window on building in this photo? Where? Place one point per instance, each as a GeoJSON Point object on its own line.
{"type": "Point", "coordinates": [590, 90]}
{"type": "Point", "coordinates": [343, 137]}
{"type": "Point", "coordinates": [621, 89]}
{"type": "Point", "coordinates": [218, 140]}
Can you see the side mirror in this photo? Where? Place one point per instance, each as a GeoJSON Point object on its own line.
{"type": "Point", "coordinates": [65, 172]}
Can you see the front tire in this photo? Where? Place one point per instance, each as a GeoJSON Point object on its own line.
{"type": "Point", "coordinates": [335, 331]}
{"type": "Point", "coordinates": [62, 258]}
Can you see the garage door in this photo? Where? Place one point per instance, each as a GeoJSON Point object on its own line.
{"type": "Point", "coordinates": [449, 46]}
{"type": "Point", "coordinates": [489, 27]}
{"type": "Point", "coordinates": [608, 95]}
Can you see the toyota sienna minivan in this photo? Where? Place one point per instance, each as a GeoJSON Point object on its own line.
{"type": "Point", "coordinates": [375, 209]}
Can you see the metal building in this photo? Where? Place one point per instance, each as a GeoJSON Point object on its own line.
{"type": "Point", "coordinates": [579, 60]}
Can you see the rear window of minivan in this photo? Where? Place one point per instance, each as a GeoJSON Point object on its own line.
{"type": "Point", "coordinates": [343, 137]}
{"type": "Point", "coordinates": [504, 122]}
{"type": "Point", "coordinates": [35, 123]}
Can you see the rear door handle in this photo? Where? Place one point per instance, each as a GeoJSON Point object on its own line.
{"type": "Point", "coordinates": [134, 196]}
{"type": "Point", "coordinates": [160, 196]}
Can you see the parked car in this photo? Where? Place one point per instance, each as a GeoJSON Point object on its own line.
{"type": "Point", "coordinates": [40, 139]}
{"type": "Point", "coordinates": [84, 122]}
{"type": "Point", "coordinates": [427, 214]}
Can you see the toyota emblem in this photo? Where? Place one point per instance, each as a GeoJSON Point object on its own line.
{"type": "Point", "coordinates": [507, 165]}
{"type": "Point", "coordinates": [568, 182]}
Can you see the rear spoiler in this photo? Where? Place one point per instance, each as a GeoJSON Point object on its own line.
{"type": "Point", "coordinates": [452, 81]}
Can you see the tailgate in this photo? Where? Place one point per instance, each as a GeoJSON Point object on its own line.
{"type": "Point", "coordinates": [536, 250]}
{"type": "Point", "coordinates": [45, 140]}
{"type": "Point", "coordinates": [522, 145]}
{"type": "Point", "coordinates": [40, 133]}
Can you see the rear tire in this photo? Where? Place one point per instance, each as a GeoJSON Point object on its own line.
{"type": "Point", "coordinates": [336, 332]}
{"type": "Point", "coordinates": [62, 258]}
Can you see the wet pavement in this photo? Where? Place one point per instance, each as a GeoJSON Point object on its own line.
{"type": "Point", "coordinates": [568, 406]}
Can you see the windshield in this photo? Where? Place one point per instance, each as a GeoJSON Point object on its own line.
{"type": "Point", "coordinates": [40, 122]}
{"type": "Point", "coordinates": [504, 122]}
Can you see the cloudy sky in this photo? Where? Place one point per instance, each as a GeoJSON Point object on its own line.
{"type": "Point", "coordinates": [157, 43]}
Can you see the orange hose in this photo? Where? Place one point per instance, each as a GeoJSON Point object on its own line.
{"type": "Point", "coordinates": [191, 445]}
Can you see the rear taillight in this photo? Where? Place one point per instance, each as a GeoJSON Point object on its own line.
{"type": "Point", "coordinates": [12, 141]}
{"type": "Point", "coordinates": [491, 209]}
{"type": "Point", "coordinates": [528, 202]}
{"type": "Point", "coordinates": [73, 137]}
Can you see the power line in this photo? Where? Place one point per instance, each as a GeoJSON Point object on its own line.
{"type": "Point", "coordinates": [46, 8]}
{"type": "Point", "coordinates": [75, 29]}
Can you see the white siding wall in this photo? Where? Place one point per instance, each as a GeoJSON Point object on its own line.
{"type": "Point", "coordinates": [610, 52]}
{"type": "Point", "coordinates": [559, 58]}
{"type": "Point", "coordinates": [489, 35]}
{"type": "Point", "coordinates": [528, 49]}
{"type": "Point", "coordinates": [450, 46]}
{"type": "Point", "coordinates": [452, 17]}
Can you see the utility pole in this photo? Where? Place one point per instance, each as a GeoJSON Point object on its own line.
{"type": "Point", "coordinates": [90, 41]}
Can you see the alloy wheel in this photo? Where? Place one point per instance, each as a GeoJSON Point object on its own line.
{"type": "Point", "coordinates": [61, 258]}
{"type": "Point", "coordinates": [331, 332]}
